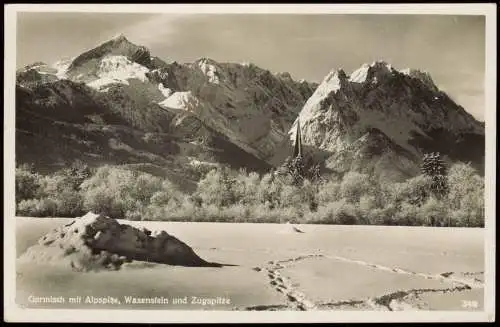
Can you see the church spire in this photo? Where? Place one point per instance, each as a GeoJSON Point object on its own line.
{"type": "Point", "coordinates": [297, 152]}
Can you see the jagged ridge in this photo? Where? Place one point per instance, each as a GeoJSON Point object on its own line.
{"type": "Point", "coordinates": [376, 119]}
{"type": "Point", "coordinates": [405, 108]}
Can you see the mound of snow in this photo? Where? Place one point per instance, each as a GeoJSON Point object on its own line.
{"type": "Point", "coordinates": [95, 242]}
{"type": "Point", "coordinates": [290, 228]}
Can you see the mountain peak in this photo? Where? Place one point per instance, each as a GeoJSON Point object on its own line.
{"type": "Point", "coordinates": [341, 74]}
{"type": "Point", "coordinates": [119, 40]}
{"type": "Point", "coordinates": [366, 72]}
{"type": "Point", "coordinates": [381, 63]}
{"type": "Point", "coordinates": [35, 65]}
{"type": "Point", "coordinates": [380, 69]}
{"type": "Point", "coordinates": [332, 82]}
{"type": "Point", "coordinates": [119, 45]}
{"type": "Point", "coordinates": [284, 75]}
{"type": "Point", "coordinates": [206, 60]}
{"type": "Point", "coordinates": [379, 108]}
{"type": "Point", "coordinates": [119, 37]}
{"type": "Point", "coordinates": [423, 76]}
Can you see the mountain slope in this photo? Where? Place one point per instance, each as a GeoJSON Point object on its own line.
{"type": "Point", "coordinates": [382, 120]}
{"type": "Point", "coordinates": [118, 104]}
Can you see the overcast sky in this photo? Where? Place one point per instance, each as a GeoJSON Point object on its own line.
{"type": "Point", "coordinates": [451, 48]}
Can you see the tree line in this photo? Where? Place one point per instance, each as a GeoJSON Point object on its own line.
{"type": "Point", "coordinates": [296, 192]}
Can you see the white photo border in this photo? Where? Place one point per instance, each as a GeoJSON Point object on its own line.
{"type": "Point", "coordinates": [15, 314]}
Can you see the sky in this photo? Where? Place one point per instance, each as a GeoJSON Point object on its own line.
{"type": "Point", "coordinates": [451, 48]}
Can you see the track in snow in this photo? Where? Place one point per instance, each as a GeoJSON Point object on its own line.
{"type": "Point", "coordinates": [394, 301]}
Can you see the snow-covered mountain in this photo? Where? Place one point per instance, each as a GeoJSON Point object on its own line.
{"type": "Point", "coordinates": [235, 113]}
{"type": "Point", "coordinates": [116, 103]}
{"type": "Point", "coordinates": [379, 119]}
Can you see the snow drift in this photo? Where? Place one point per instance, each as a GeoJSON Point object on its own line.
{"type": "Point", "coordinates": [95, 242]}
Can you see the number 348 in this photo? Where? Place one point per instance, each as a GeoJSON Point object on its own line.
{"type": "Point", "coordinates": [468, 304]}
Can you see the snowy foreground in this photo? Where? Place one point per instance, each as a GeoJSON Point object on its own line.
{"type": "Point", "coordinates": [273, 267]}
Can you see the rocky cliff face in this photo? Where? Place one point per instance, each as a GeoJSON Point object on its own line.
{"type": "Point", "coordinates": [379, 119]}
